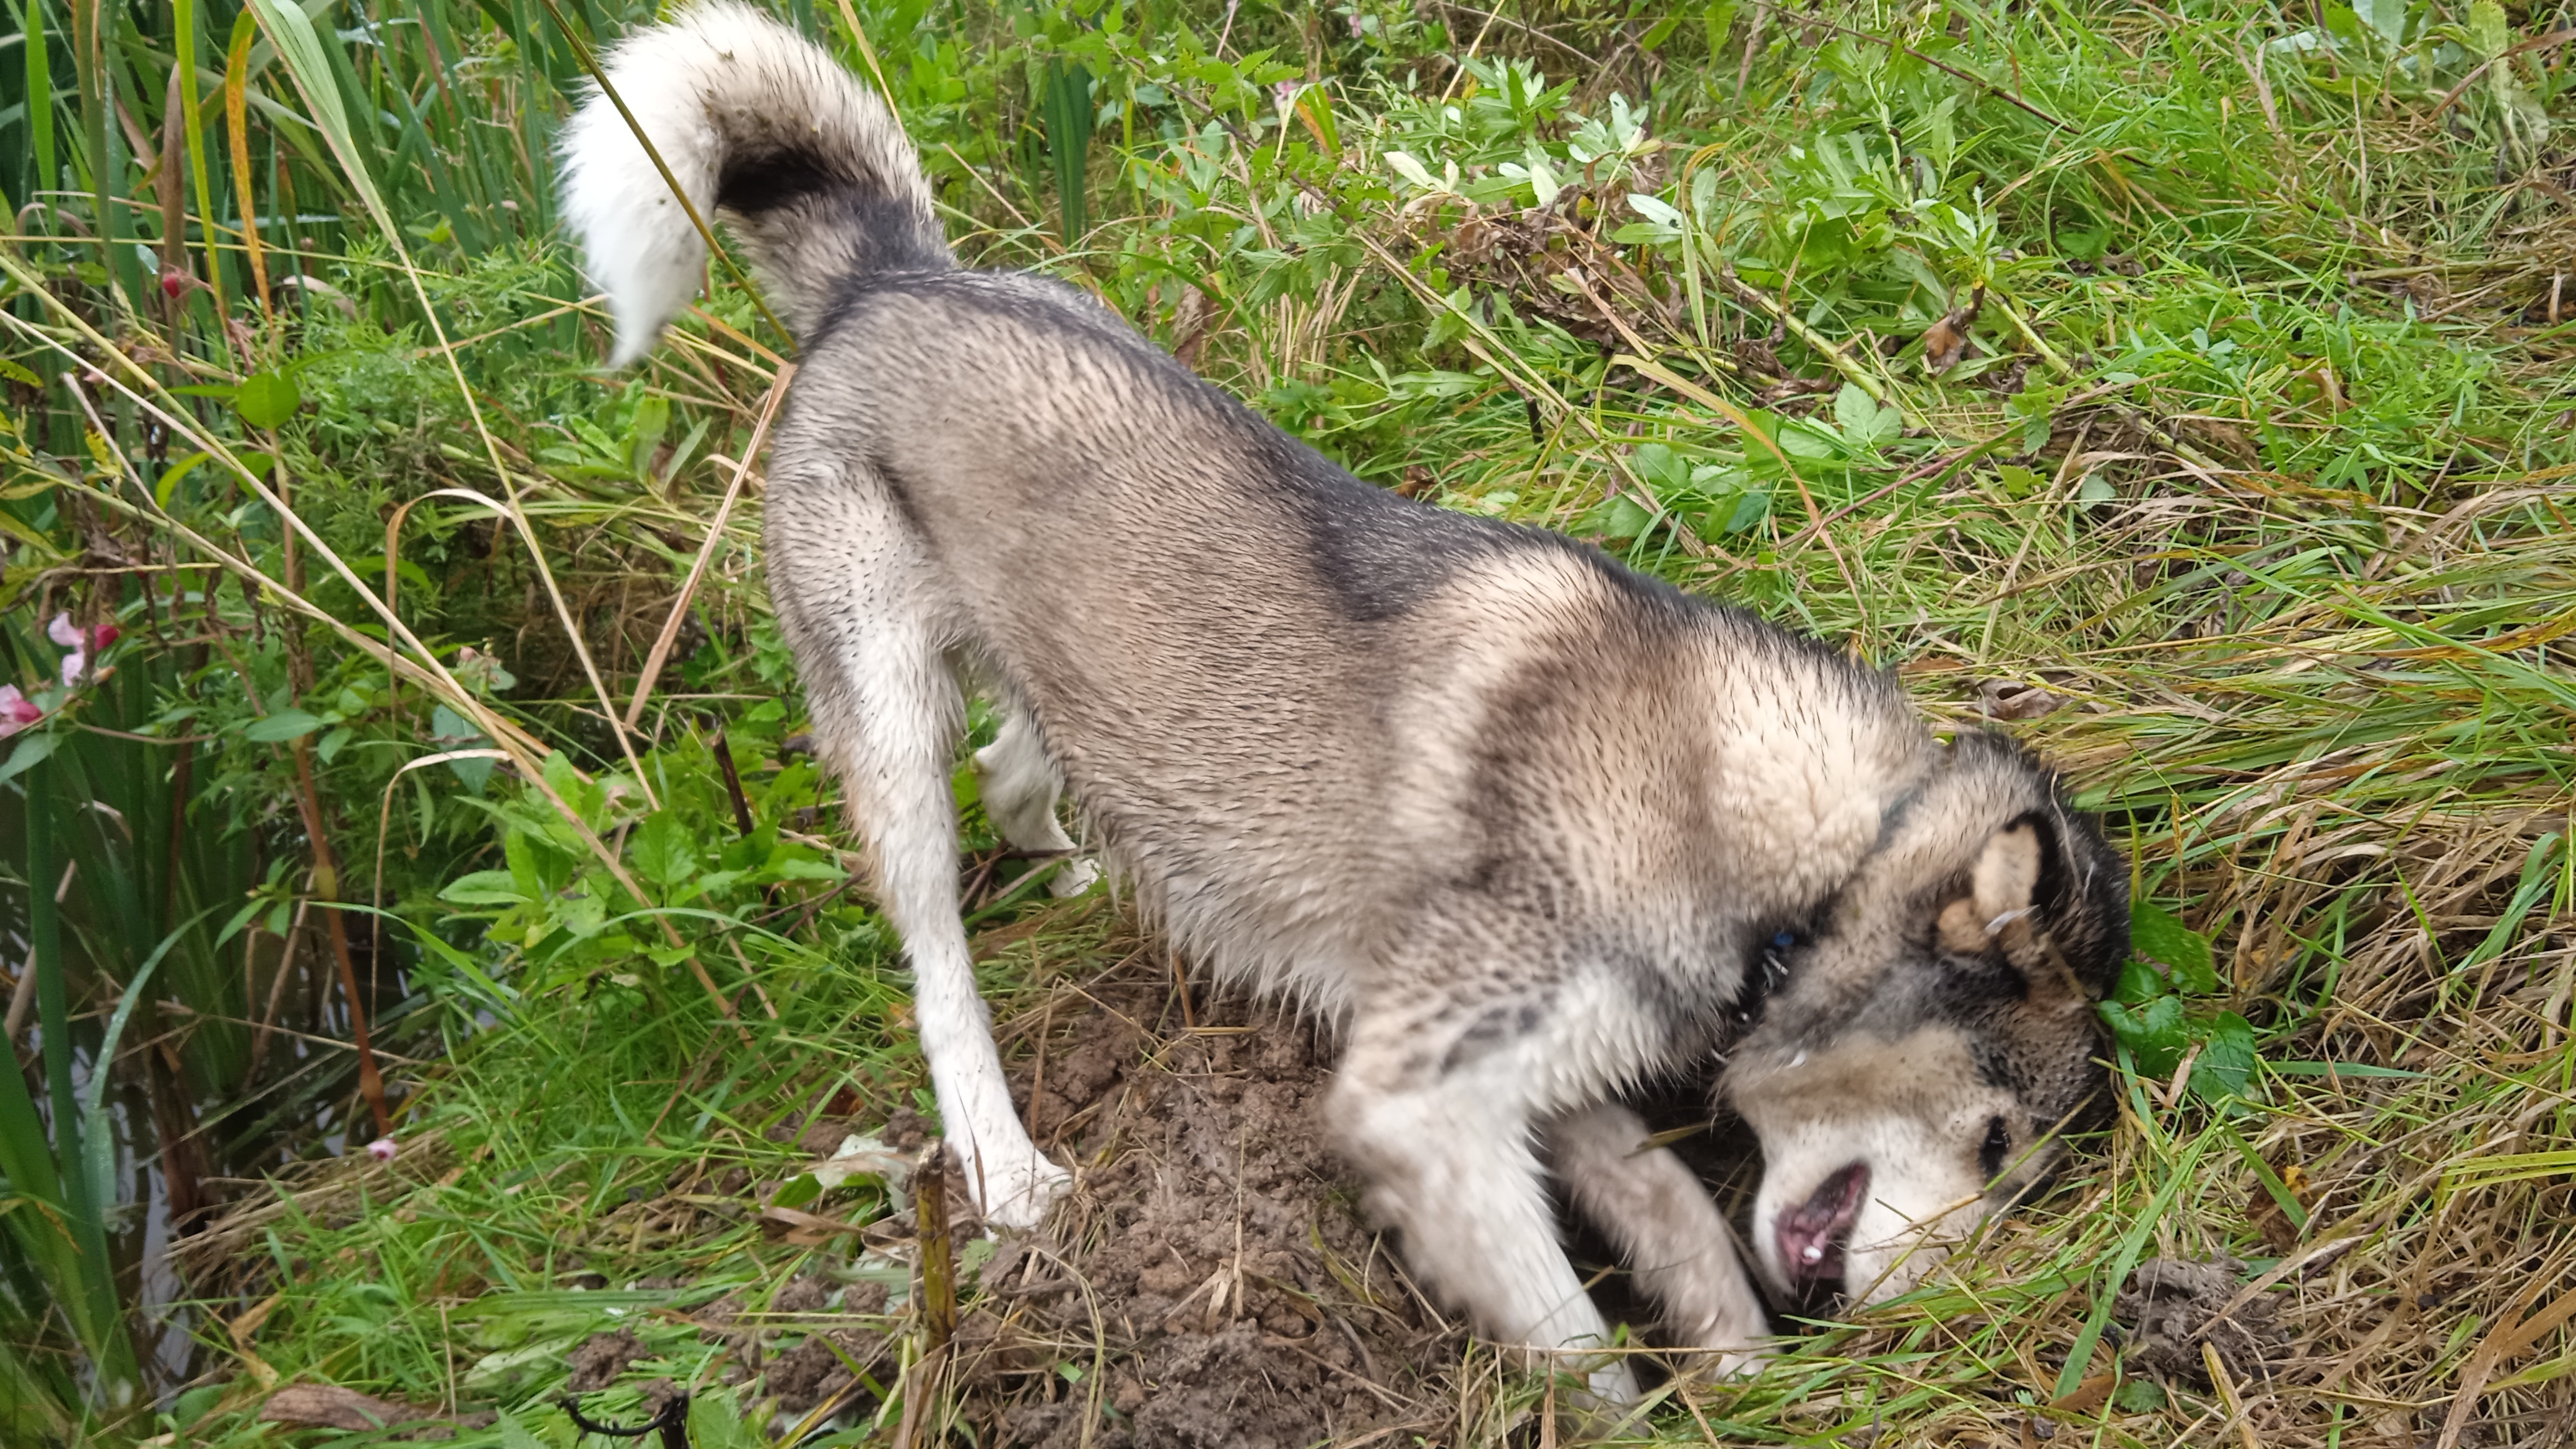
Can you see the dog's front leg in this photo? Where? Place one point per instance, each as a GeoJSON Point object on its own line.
{"type": "Point", "coordinates": [1663, 1221]}
{"type": "Point", "coordinates": [1444, 1146]}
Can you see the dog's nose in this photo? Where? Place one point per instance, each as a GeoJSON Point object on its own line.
{"type": "Point", "coordinates": [1813, 1233]}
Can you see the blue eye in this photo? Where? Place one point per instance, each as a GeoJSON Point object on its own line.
{"type": "Point", "coordinates": [1784, 940]}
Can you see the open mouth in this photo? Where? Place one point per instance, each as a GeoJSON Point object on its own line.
{"type": "Point", "coordinates": [1812, 1235]}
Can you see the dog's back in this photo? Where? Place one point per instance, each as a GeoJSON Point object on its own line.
{"type": "Point", "coordinates": [1290, 702]}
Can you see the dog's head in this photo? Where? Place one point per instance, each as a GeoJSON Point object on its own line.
{"type": "Point", "coordinates": [1932, 1028]}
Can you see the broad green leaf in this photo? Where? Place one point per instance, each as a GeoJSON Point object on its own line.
{"type": "Point", "coordinates": [2158, 935]}
{"type": "Point", "coordinates": [2140, 1396]}
{"type": "Point", "coordinates": [2138, 983]}
{"type": "Point", "coordinates": [1751, 507]}
{"type": "Point", "coordinates": [2156, 1034]}
{"type": "Point", "coordinates": [284, 725]}
{"type": "Point", "coordinates": [267, 399]}
{"type": "Point", "coordinates": [1662, 469]}
{"type": "Point", "coordinates": [808, 870]}
{"type": "Point", "coordinates": [2020, 482]}
{"type": "Point", "coordinates": [31, 752]}
{"type": "Point", "coordinates": [2226, 1058]}
{"type": "Point", "coordinates": [1616, 517]}
{"type": "Point", "coordinates": [485, 888]}
{"type": "Point", "coordinates": [662, 851]}
{"type": "Point", "coordinates": [1862, 421]}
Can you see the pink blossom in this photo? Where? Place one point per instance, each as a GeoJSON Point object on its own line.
{"type": "Point", "coordinates": [17, 711]}
{"type": "Point", "coordinates": [82, 642]}
{"type": "Point", "coordinates": [382, 1149]}
{"type": "Point", "coordinates": [1355, 26]}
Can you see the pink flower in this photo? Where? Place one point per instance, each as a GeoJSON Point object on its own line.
{"type": "Point", "coordinates": [17, 711]}
{"type": "Point", "coordinates": [82, 642]}
{"type": "Point", "coordinates": [1355, 26]}
{"type": "Point", "coordinates": [382, 1149]}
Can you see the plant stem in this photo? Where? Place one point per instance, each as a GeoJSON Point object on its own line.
{"type": "Point", "coordinates": [326, 891]}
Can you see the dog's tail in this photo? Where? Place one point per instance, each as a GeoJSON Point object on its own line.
{"type": "Point", "coordinates": [811, 170]}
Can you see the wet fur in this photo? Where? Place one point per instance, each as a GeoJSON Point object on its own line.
{"type": "Point", "coordinates": [1522, 822]}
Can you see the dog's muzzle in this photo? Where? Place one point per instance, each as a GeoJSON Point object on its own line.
{"type": "Point", "coordinates": [1813, 1234]}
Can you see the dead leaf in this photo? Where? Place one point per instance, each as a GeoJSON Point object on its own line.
{"type": "Point", "coordinates": [2089, 1395]}
{"type": "Point", "coordinates": [2266, 1214]}
{"type": "Point", "coordinates": [1944, 341]}
{"type": "Point", "coordinates": [241, 1329]}
{"type": "Point", "coordinates": [800, 1229]}
{"type": "Point", "coordinates": [2011, 699]}
{"type": "Point", "coordinates": [328, 1406]}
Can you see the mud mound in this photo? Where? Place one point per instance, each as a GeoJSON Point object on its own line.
{"type": "Point", "coordinates": [1210, 1280]}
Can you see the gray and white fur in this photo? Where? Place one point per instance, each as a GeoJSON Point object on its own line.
{"type": "Point", "coordinates": [1527, 827]}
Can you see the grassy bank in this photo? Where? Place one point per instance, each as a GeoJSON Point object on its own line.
{"type": "Point", "coordinates": [2190, 391]}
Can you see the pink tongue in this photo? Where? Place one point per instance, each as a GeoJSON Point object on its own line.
{"type": "Point", "coordinates": [1811, 1234]}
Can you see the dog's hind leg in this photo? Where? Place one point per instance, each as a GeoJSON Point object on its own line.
{"type": "Point", "coordinates": [861, 606]}
{"type": "Point", "coordinates": [1445, 1149]}
{"type": "Point", "coordinates": [1021, 786]}
{"type": "Point", "coordinates": [1664, 1223]}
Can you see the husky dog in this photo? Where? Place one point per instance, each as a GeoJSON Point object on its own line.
{"type": "Point", "coordinates": [1525, 826]}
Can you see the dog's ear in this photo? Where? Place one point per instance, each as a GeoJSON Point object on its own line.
{"type": "Point", "coordinates": [2045, 889]}
{"type": "Point", "coordinates": [2004, 883]}
{"type": "Point", "coordinates": [2003, 889]}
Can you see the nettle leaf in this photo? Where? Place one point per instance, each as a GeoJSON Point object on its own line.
{"type": "Point", "coordinates": [2163, 939]}
{"type": "Point", "coordinates": [2156, 1034]}
{"type": "Point", "coordinates": [663, 851]}
{"type": "Point", "coordinates": [2226, 1060]}
{"type": "Point", "coordinates": [2138, 983]}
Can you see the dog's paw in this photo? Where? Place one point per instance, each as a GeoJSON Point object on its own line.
{"type": "Point", "coordinates": [1016, 1192]}
{"type": "Point", "coordinates": [1077, 874]}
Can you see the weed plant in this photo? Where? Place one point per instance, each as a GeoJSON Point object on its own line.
{"type": "Point", "coordinates": [401, 750]}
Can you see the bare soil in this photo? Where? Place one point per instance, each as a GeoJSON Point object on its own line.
{"type": "Point", "coordinates": [1211, 1280]}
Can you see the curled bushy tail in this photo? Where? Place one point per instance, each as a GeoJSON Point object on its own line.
{"type": "Point", "coordinates": [813, 174]}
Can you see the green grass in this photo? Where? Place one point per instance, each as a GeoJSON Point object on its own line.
{"type": "Point", "coordinates": [2256, 460]}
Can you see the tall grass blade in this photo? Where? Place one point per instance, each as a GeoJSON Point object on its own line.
{"type": "Point", "coordinates": [1067, 103]}
{"type": "Point", "coordinates": [85, 1192]}
{"type": "Point", "coordinates": [40, 103]}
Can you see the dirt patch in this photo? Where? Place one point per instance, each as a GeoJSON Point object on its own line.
{"type": "Point", "coordinates": [1210, 1282]}
{"type": "Point", "coordinates": [598, 1363]}
{"type": "Point", "coordinates": [2171, 1308]}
